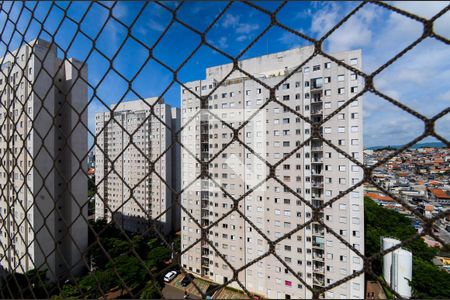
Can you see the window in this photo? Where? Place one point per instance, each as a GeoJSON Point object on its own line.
{"type": "Point", "coordinates": [341, 142]}
{"type": "Point", "coordinates": [341, 116]}
{"type": "Point", "coordinates": [327, 80]}
{"type": "Point", "coordinates": [353, 76]}
{"type": "Point", "coordinates": [327, 65]}
{"type": "Point", "coordinates": [258, 91]}
{"type": "Point", "coordinates": [341, 78]}
{"type": "Point", "coordinates": [316, 68]}
{"type": "Point", "coordinates": [341, 91]}
{"type": "Point", "coordinates": [327, 130]}
{"type": "Point", "coordinates": [354, 89]}
{"type": "Point", "coordinates": [342, 168]}
{"type": "Point", "coordinates": [354, 115]}
{"type": "Point", "coordinates": [327, 104]}
{"type": "Point", "coordinates": [306, 69]}
{"type": "Point", "coordinates": [341, 129]}
{"type": "Point", "coordinates": [354, 129]}
{"type": "Point", "coordinates": [353, 61]}
{"type": "Point", "coordinates": [355, 142]}
{"type": "Point", "coordinates": [285, 86]}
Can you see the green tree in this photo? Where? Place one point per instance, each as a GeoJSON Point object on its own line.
{"type": "Point", "coordinates": [157, 256]}
{"type": "Point", "coordinates": [428, 281]}
{"type": "Point", "coordinates": [132, 273]}
{"type": "Point", "coordinates": [95, 284]}
{"type": "Point", "coordinates": [151, 291]}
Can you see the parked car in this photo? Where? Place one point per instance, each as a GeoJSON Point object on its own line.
{"type": "Point", "coordinates": [169, 276]}
{"type": "Point", "coordinates": [186, 280]}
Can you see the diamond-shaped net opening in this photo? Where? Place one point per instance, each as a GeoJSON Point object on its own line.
{"type": "Point", "coordinates": [125, 174]}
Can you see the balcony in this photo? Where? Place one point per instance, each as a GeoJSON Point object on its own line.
{"type": "Point", "coordinates": [318, 232]}
{"type": "Point", "coordinates": [316, 98]}
{"type": "Point", "coordinates": [318, 281]}
{"type": "Point", "coordinates": [316, 83]}
{"type": "Point", "coordinates": [316, 203]}
{"type": "Point", "coordinates": [319, 270]}
{"type": "Point", "coordinates": [317, 184]}
{"type": "Point", "coordinates": [318, 257]}
{"type": "Point", "coordinates": [318, 245]}
{"type": "Point", "coordinates": [316, 112]}
{"type": "Point", "coordinates": [205, 262]}
{"type": "Point", "coordinates": [317, 158]}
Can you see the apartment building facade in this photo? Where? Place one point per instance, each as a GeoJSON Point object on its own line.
{"type": "Point", "coordinates": [133, 189]}
{"type": "Point", "coordinates": [314, 174]}
{"type": "Point", "coordinates": [43, 216]}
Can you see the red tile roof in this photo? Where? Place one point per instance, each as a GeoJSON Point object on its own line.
{"type": "Point", "coordinates": [379, 197]}
{"type": "Point", "coordinates": [440, 194]}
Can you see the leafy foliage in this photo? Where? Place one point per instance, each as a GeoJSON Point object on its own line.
{"type": "Point", "coordinates": [151, 291]}
{"type": "Point", "coordinates": [428, 280]}
{"type": "Point", "coordinates": [117, 268]}
{"type": "Point", "coordinates": [32, 284]}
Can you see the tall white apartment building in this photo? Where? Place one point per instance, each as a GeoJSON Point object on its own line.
{"type": "Point", "coordinates": [128, 144]}
{"type": "Point", "coordinates": [316, 172]}
{"type": "Point", "coordinates": [43, 182]}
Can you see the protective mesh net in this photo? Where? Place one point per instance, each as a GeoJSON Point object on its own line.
{"type": "Point", "coordinates": [54, 139]}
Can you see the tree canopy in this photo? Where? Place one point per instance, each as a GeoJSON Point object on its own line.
{"type": "Point", "coordinates": [428, 280]}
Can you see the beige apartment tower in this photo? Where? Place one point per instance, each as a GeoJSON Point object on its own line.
{"type": "Point", "coordinates": [43, 181]}
{"type": "Point", "coordinates": [128, 144]}
{"type": "Point", "coordinates": [315, 172]}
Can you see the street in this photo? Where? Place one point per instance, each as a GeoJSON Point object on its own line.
{"type": "Point", "coordinates": [171, 292]}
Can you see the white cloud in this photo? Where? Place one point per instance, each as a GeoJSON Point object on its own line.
{"type": "Point", "coordinates": [418, 79]}
{"type": "Point", "coordinates": [355, 33]}
{"type": "Point", "coordinates": [230, 21]}
{"type": "Point", "coordinates": [155, 25]}
{"type": "Point", "coordinates": [120, 10]}
{"type": "Point", "coordinates": [426, 9]}
{"type": "Point", "coordinates": [223, 42]}
{"type": "Point", "coordinates": [325, 19]}
{"type": "Point", "coordinates": [244, 31]}
{"type": "Point", "coordinates": [247, 28]}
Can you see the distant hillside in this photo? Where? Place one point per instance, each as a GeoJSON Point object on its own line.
{"type": "Point", "coordinates": [416, 146]}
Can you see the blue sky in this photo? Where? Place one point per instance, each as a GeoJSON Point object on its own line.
{"type": "Point", "coordinates": [419, 79]}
